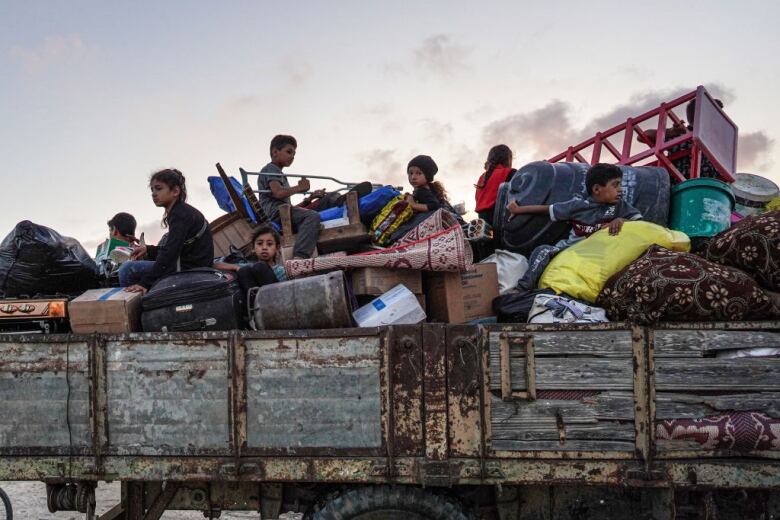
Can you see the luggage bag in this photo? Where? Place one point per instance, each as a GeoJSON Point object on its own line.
{"type": "Point", "coordinates": [198, 299]}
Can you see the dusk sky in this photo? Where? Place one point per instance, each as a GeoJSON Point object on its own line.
{"type": "Point", "coordinates": [95, 96]}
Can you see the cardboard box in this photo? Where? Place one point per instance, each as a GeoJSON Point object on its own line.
{"type": "Point", "coordinates": [106, 310]}
{"type": "Point", "coordinates": [365, 299]}
{"type": "Point", "coordinates": [398, 306]}
{"type": "Point", "coordinates": [376, 281]}
{"type": "Point", "coordinates": [462, 297]}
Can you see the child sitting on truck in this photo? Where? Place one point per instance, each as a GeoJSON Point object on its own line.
{"type": "Point", "coordinates": [275, 190]}
{"type": "Point", "coordinates": [265, 270]}
{"type": "Point", "coordinates": [604, 207]}
{"type": "Point", "coordinates": [187, 245]}
{"type": "Point", "coordinates": [428, 195]}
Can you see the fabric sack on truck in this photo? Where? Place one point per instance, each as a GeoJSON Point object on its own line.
{"type": "Point", "coordinates": [582, 269]}
{"type": "Point", "coordinates": [197, 299]}
{"type": "Point", "coordinates": [559, 309]}
{"type": "Point", "coordinates": [514, 306]}
{"type": "Point", "coordinates": [510, 266]}
{"type": "Point", "coordinates": [395, 213]}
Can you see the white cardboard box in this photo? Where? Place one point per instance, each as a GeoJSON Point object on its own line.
{"type": "Point", "coordinates": [398, 306]}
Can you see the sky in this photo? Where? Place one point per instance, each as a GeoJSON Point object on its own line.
{"type": "Point", "coordinates": [95, 96]}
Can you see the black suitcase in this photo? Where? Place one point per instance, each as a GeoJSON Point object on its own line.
{"type": "Point", "coordinates": [198, 299]}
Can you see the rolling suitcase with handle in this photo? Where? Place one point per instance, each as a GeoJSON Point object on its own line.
{"type": "Point", "coordinates": [197, 299]}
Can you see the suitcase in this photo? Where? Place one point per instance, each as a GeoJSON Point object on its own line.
{"type": "Point", "coordinates": [197, 299]}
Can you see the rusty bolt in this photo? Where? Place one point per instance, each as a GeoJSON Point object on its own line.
{"type": "Point", "coordinates": [198, 496]}
{"type": "Point", "coordinates": [407, 344]}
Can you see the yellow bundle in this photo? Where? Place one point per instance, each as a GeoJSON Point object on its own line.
{"type": "Point", "coordinates": [582, 270]}
{"type": "Point", "coordinates": [395, 213]}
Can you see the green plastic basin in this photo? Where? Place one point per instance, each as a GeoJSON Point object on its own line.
{"type": "Point", "coordinates": [701, 207]}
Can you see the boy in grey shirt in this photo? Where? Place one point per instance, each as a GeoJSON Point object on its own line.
{"type": "Point", "coordinates": [275, 190]}
{"type": "Point", "coordinates": [602, 208]}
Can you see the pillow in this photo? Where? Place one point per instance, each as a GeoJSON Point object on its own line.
{"type": "Point", "coordinates": [664, 285]}
{"type": "Point", "coordinates": [752, 245]}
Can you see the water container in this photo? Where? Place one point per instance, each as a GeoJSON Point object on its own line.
{"type": "Point", "coordinates": [541, 182]}
{"type": "Point", "coordinates": [752, 193]}
{"type": "Point", "coordinates": [316, 302]}
{"type": "Point", "coordinates": [701, 207]}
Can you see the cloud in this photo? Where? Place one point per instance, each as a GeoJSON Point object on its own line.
{"type": "Point", "coordinates": [440, 55]}
{"type": "Point", "coordinates": [546, 129]}
{"type": "Point", "coordinates": [753, 151]}
{"type": "Point", "coordinates": [437, 131]}
{"type": "Point", "coordinates": [54, 50]}
{"type": "Point", "coordinates": [383, 166]}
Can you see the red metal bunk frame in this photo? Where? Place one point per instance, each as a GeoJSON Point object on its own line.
{"type": "Point", "coordinates": [713, 134]}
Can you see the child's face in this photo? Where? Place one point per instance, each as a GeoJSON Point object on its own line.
{"type": "Point", "coordinates": [283, 156]}
{"type": "Point", "coordinates": [416, 177]}
{"type": "Point", "coordinates": [610, 193]}
{"type": "Point", "coordinates": [265, 247]}
{"type": "Point", "coordinates": [163, 195]}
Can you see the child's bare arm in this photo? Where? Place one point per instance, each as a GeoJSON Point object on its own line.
{"type": "Point", "coordinates": [516, 209]}
{"type": "Point", "coordinates": [280, 192]}
{"type": "Point", "coordinates": [224, 266]}
{"type": "Point", "coordinates": [416, 206]}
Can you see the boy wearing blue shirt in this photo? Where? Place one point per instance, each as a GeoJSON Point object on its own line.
{"type": "Point", "coordinates": [603, 208]}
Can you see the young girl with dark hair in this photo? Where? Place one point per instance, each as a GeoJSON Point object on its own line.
{"type": "Point", "coordinates": [498, 169]}
{"type": "Point", "coordinates": [264, 270]}
{"type": "Point", "coordinates": [187, 245]}
{"type": "Point", "coordinates": [428, 195]}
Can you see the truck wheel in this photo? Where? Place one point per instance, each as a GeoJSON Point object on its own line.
{"type": "Point", "coordinates": [391, 503]}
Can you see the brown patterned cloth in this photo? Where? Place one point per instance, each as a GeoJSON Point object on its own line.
{"type": "Point", "coordinates": [445, 250]}
{"type": "Point", "coordinates": [742, 431]}
{"type": "Point", "coordinates": [752, 245]}
{"type": "Point", "coordinates": [664, 285]}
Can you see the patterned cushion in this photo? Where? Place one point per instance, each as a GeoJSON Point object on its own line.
{"type": "Point", "coordinates": [664, 285]}
{"type": "Point", "coordinates": [740, 431]}
{"type": "Point", "coordinates": [752, 245]}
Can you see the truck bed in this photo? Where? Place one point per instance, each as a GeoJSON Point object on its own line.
{"type": "Point", "coordinates": [435, 405]}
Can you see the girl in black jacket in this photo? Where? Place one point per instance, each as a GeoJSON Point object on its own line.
{"type": "Point", "coordinates": [187, 245]}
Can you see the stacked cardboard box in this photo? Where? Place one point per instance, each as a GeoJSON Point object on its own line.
{"type": "Point", "coordinates": [461, 297]}
{"type": "Point", "coordinates": [370, 282]}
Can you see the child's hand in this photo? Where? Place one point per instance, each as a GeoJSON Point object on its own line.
{"type": "Point", "coordinates": [138, 253]}
{"type": "Point", "coordinates": [137, 288]}
{"type": "Point", "coordinates": [513, 207]}
{"type": "Point", "coordinates": [409, 198]}
{"type": "Point", "coordinates": [615, 226]}
{"type": "Point", "coordinates": [304, 185]}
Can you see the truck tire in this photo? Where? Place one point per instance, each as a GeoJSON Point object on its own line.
{"type": "Point", "coordinates": [391, 503]}
{"type": "Point", "coordinates": [6, 512]}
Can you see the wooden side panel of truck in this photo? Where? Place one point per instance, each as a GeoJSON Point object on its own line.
{"type": "Point", "coordinates": [428, 405]}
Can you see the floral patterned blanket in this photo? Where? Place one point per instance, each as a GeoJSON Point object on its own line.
{"type": "Point", "coordinates": [664, 285]}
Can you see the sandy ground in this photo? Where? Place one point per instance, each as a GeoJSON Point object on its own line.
{"type": "Point", "coordinates": [29, 503]}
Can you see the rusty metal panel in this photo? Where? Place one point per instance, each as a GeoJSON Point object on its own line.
{"type": "Point", "coordinates": [435, 392]}
{"type": "Point", "coordinates": [314, 393]}
{"type": "Point", "coordinates": [167, 397]}
{"type": "Point", "coordinates": [406, 381]}
{"type": "Point", "coordinates": [44, 395]}
{"type": "Point", "coordinates": [464, 382]}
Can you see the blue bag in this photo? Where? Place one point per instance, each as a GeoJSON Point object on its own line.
{"type": "Point", "coordinates": [369, 205]}
{"type": "Point", "coordinates": [222, 197]}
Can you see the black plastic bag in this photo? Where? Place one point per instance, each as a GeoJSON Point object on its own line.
{"type": "Point", "coordinates": [514, 307]}
{"type": "Point", "coordinates": [38, 261]}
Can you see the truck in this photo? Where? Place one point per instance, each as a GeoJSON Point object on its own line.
{"type": "Point", "coordinates": [428, 421]}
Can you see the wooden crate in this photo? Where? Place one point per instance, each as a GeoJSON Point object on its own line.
{"type": "Point", "coordinates": [231, 229]}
